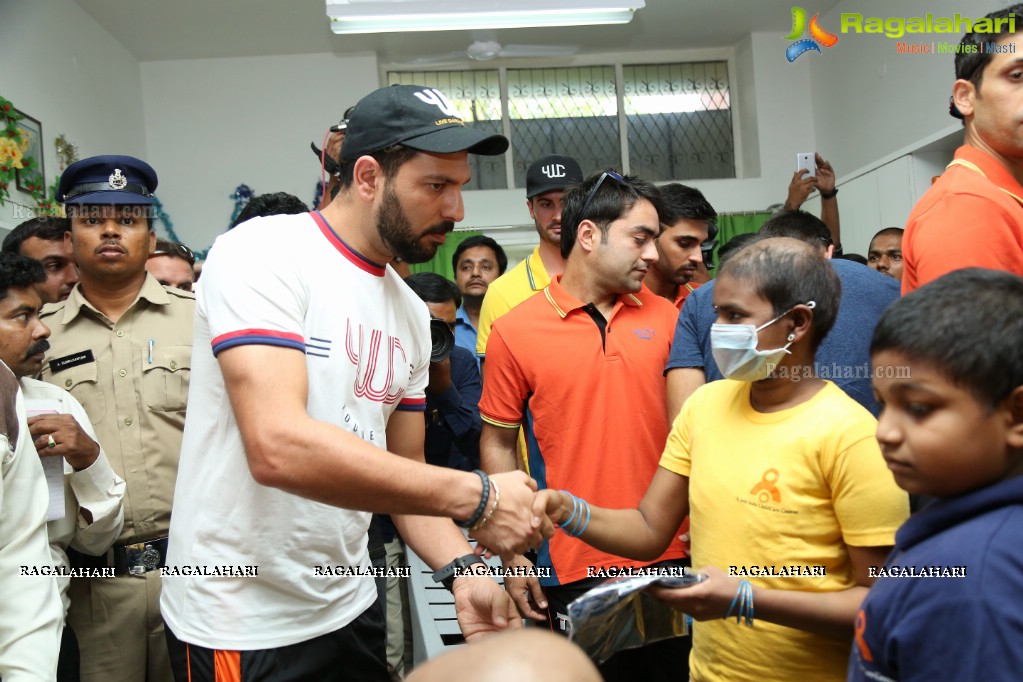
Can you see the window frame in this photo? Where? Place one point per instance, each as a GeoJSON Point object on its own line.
{"type": "Point", "coordinates": [618, 62]}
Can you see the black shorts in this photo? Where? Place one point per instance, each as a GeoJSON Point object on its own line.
{"type": "Point", "coordinates": [355, 652]}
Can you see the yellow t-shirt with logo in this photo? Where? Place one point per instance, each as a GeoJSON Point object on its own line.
{"type": "Point", "coordinates": [779, 493]}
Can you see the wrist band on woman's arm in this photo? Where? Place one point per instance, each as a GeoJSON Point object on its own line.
{"type": "Point", "coordinates": [577, 523]}
{"type": "Point", "coordinates": [744, 598]}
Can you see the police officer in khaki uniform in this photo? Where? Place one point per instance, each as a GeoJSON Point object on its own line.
{"type": "Point", "coordinates": [121, 344]}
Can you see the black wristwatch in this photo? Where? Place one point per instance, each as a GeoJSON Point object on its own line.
{"type": "Point", "coordinates": [446, 574]}
{"type": "Point", "coordinates": [829, 195]}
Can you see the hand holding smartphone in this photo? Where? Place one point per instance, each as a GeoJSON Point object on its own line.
{"type": "Point", "coordinates": [808, 161]}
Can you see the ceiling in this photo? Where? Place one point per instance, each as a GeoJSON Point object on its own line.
{"type": "Point", "coordinates": [157, 30]}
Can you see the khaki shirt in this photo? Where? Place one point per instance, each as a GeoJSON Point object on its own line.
{"type": "Point", "coordinates": [132, 379]}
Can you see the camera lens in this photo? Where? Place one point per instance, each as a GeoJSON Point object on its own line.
{"type": "Point", "coordinates": [442, 340]}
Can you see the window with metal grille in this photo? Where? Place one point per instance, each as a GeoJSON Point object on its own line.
{"type": "Point", "coordinates": [677, 117]}
{"type": "Point", "coordinates": [679, 121]}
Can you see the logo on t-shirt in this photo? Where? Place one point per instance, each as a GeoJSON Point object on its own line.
{"type": "Point", "coordinates": [861, 643]}
{"type": "Point", "coordinates": [645, 334]}
{"type": "Point", "coordinates": [766, 490]}
{"type": "Point", "coordinates": [376, 357]}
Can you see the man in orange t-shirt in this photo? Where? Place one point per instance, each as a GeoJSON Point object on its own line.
{"type": "Point", "coordinates": [973, 215]}
{"type": "Point", "coordinates": [687, 226]}
{"type": "Point", "coordinates": [579, 366]}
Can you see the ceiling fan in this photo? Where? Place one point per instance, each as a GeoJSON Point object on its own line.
{"type": "Point", "coordinates": [486, 50]}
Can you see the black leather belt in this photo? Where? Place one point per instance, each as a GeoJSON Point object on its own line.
{"type": "Point", "coordinates": [129, 559]}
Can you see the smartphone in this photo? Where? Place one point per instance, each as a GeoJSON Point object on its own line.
{"type": "Point", "coordinates": [807, 160]}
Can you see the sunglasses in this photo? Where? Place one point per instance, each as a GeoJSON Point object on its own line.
{"type": "Point", "coordinates": [593, 191]}
{"type": "Point", "coordinates": [176, 250]}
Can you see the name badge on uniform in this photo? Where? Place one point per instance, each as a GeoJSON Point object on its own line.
{"type": "Point", "coordinates": [82, 357]}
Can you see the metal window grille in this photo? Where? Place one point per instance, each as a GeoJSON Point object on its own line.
{"type": "Point", "coordinates": [570, 111]}
{"type": "Point", "coordinates": [677, 117]}
{"type": "Point", "coordinates": [679, 120]}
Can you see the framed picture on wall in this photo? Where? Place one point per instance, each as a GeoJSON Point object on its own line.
{"type": "Point", "coordinates": [33, 174]}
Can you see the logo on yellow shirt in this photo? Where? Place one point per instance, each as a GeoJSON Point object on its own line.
{"type": "Point", "coordinates": [766, 490]}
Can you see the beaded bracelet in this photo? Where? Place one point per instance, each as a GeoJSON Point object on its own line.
{"type": "Point", "coordinates": [474, 519]}
{"type": "Point", "coordinates": [497, 501]}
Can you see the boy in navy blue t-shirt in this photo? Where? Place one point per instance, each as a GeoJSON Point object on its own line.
{"type": "Point", "coordinates": [948, 371]}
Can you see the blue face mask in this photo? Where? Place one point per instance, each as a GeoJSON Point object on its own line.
{"type": "Point", "coordinates": [734, 347]}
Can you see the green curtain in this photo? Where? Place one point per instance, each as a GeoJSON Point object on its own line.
{"type": "Point", "coordinates": [732, 224]}
{"type": "Point", "coordinates": [441, 261]}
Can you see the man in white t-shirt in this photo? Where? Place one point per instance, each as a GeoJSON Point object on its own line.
{"type": "Point", "coordinates": [310, 365]}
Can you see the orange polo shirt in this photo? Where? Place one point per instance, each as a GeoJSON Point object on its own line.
{"type": "Point", "coordinates": [591, 399]}
{"type": "Point", "coordinates": [683, 293]}
{"type": "Point", "coordinates": [972, 216]}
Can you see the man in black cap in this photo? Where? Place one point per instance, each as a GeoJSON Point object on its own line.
{"type": "Point", "coordinates": [546, 181]}
{"type": "Point", "coordinates": [311, 368]}
{"type": "Point", "coordinates": [122, 344]}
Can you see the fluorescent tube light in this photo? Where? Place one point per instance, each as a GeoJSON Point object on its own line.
{"type": "Point", "coordinates": [366, 16]}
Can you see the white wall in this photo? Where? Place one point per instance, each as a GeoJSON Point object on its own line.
{"type": "Point", "coordinates": [213, 124]}
{"type": "Point", "coordinates": [745, 91]}
{"type": "Point", "coordinates": [210, 125]}
{"type": "Point", "coordinates": [882, 117]}
{"type": "Point", "coordinates": [868, 100]}
{"type": "Point", "coordinates": [61, 67]}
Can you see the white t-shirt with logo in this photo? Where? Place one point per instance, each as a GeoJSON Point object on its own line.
{"type": "Point", "coordinates": [285, 281]}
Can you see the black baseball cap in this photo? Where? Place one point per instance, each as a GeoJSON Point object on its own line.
{"type": "Point", "coordinates": [414, 116]}
{"type": "Point", "coordinates": [551, 173]}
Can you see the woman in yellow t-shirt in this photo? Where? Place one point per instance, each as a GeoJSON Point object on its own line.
{"type": "Point", "coordinates": [790, 502]}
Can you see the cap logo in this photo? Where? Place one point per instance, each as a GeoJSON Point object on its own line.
{"type": "Point", "coordinates": [117, 179]}
{"type": "Point", "coordinates": [554, 170]}
{"type": "Point", "coordinates": [438, 99]}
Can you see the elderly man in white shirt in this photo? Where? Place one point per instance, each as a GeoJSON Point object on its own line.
{"type": "Point", "coordinates": [29, 606]}
{"type": "Point", "coordinates": [57, 427]}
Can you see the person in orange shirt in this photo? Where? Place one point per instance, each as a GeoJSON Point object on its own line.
{"type": "Point", "coordinates": [579, 367]}
{"type": "Point", "coordinates": [972, 216]}
{"type": "Point", "coordinates": [687, 224]}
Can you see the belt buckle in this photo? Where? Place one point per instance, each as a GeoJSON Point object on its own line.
{"type": "Point", "coordinates": [142, 558]}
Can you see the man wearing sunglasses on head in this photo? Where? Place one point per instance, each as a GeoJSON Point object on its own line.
{"type": "Point", "coordinates": [171, 264]}
{"type": "Point", "coordinates": [591, 396]}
